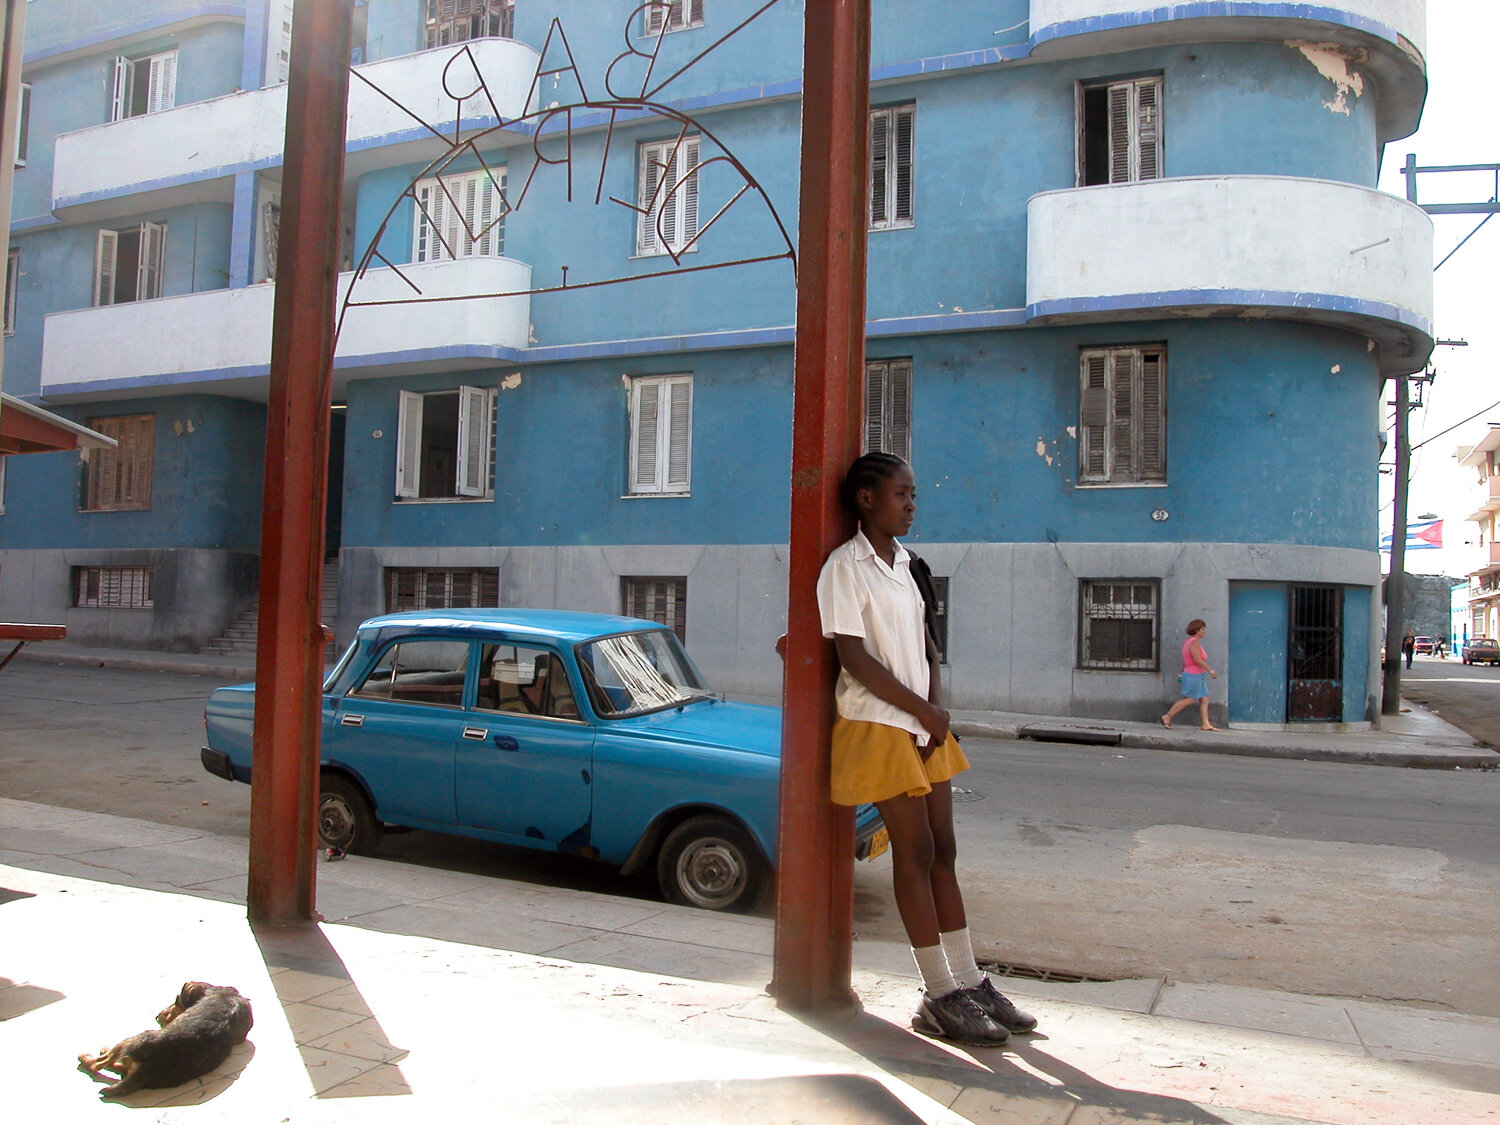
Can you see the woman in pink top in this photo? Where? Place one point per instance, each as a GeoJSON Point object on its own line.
{"type": "Point", "coordinates": [1195, 673]}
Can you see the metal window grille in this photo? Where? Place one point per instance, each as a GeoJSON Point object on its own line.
{"type": "Point", "coordinates": [434, 588]}
{"type": "Point", "coordinates": [113, 587]}
{"type": "Point", "coordinates": [659, 599]}
{"type": "Point", "coordinates": [1120, 626]}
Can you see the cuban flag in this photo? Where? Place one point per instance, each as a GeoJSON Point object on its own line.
{"type": "Point", "coordinates": [1424, 536]}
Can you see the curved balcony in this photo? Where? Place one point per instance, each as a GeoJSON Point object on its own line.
{"type": "Point", "coordinates": [192, 153]}
{"type": "Point", "coordinates": [1269, 246]}
{"type": "Point", "coordinates": [1385, 37]}
{"type": "Point", "coordinates": [220, 341]}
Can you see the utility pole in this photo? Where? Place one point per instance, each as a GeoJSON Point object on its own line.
{"type": "Point", "coordinates": [1395, 583]}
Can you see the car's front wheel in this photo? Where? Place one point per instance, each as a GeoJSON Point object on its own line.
{"type": "Point", "coordinates": [712, 863]}
{"type": "Point", "coordinates": [346, 819]}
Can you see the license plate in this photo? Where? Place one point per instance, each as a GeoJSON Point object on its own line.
{"type": "Point", "coordinates": [879, 843]}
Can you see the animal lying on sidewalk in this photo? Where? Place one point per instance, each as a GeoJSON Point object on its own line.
{"type": "Point", "coordinates": [198, 1030]}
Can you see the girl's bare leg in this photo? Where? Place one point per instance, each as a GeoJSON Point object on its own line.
{"type": "Point", "coordinates": [947, 899]}
{"type": "Point", "coordinates": [912, 857]}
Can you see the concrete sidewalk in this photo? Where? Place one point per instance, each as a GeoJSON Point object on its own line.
{"type": "Point", "coordinates": [1416, 738]}
{"type": "Point", "coordinates": [432, 995]}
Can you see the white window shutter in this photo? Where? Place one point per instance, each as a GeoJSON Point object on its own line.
{"type": "Point", "coordinates": [650, 180]}
{"type": "Point", "coordinates": [1148, 129]}
{"type": "Point", "coordinates": [124, 81]}
{"type": "Point", "coordinates": [105, 252]}
{"type": "Point", "coordinates": [645, 416]}
{"type": "Point", "coordinates": [153, 247]}
{"type": "Point", "coordinates": [874, 407]}
{"type": "Point", "coordinates": [655, 18]}
{"type": "Point", "coordinates": [679, 434]}
{"type": "Point", "coordinates": [473, 441]}
{"type": "Point", "coordinates": [409, 446]}
{"type": "Point", "coordinates": [695, 10]}
{"type": "Point", "coordinates": [162, 82]}
{"type": "Point", "coordinates": [23, 125]}
{"type": "Point", "coordinates": [689, 176]}
{"type": "Point", "coordinates": [880, 132]}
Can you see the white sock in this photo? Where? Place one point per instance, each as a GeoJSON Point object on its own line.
{"type": "Point", "coordinates": [932, 963]}
{"type": "Point", "coordinates": [959, 953]}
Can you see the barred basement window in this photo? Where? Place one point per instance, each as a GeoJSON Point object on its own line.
{"type": "Point", "coordinates": [434, 588]}
{"type": "Point", "coordinates": [663, 600]}
{"type": "Point", "coordinates": [1120, 624]}
{"type": "Point", "coordinates": [113, 587]}
{"type": "Point", "coordinates": [940, 588]}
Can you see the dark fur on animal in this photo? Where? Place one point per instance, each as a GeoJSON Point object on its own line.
{"type": "Point", "coordinates": [198, 1030]}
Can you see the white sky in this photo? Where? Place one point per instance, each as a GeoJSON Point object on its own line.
{"type": "Point", "coordinates": [1460, 125]}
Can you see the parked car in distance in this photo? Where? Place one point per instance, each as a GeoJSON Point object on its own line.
{"type": "Point", "coordinates": [1481, 650]}
{"type": "Point", "coordinates": [578, 733]}
{"type": "Point", "coordinates": [1424, 646]}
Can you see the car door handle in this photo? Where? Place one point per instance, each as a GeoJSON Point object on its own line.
{"type": "Point", "coordinates": [476, 734]}
{"type": "Point", "coordinates": [352, 721]}
{"type": "Point", "coordinates": [506, 742]}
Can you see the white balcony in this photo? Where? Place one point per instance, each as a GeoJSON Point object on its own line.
{"type": "Point", "coordinates": [220, 341]}
{"type": "Point", "coordinates": [1266, 246]}
{"type": "Point", "coordinates": [193, 152]}
{"type": "Point", "coordinates": [1387, 37]}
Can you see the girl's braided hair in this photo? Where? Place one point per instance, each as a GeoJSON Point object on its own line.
{"type": "Point", "coordinates": [866, 472]}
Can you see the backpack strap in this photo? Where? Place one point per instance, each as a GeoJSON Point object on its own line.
{"type": "Point", "coordinates": [922, 575]}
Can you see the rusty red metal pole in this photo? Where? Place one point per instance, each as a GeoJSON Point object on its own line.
{"type": "Point", "coordinates": [289, 644]}
{"type": "Point", "coordinates": [815, 893]}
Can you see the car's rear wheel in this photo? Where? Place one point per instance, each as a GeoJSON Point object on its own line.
{"type": "Point", "coordinates": [346, 819]}
{"type": "Point", "coordinates": [712, 863]}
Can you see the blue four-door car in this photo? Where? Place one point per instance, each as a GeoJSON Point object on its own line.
{"type": "Point", "coordinates": [570, 732]}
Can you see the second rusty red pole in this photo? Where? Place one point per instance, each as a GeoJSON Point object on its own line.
{"type": "Point", "coordinates": [815, 897]}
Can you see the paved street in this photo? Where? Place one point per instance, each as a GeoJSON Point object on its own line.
{"type": "Point", "coordinates": [1311, 877]}
{"type": "Point", "coordinates": [1468, 696]}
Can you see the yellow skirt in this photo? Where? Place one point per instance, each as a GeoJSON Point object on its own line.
{"type": "Point", "coordinates": [874, 762]}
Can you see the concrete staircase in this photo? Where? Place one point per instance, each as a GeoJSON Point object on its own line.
{"type": "Point", "coordinates": [238, 638]}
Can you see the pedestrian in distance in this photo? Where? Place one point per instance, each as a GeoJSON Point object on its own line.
{"type": "Point", "coordinates": [1195, 676]}
{"type": "Point", "coordinates": [892, 747]}
{"type": "Point", "coordinates": [1408, 647]}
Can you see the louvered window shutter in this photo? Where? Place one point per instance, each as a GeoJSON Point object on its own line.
{"type": "Point", "coordinates": [124, 83]}
{"type": "Point", "coordinates": [679, 455]}
{"type": "Point", "coordinates": [409, 446]}
{"type": "Point", "coordinates": [1152, 420]}
{"type": "Point", "coordinates": [650, 179]}
{"type": "Point", "coordinates": [138, 492]}
{"type": "Point", "coordinates": [467, 190]}
{"type": "Point", "coordinates": [905, 123]}
{"type": "Point", "coordinates": [898, 412]}
{"type": "Point", "coordinates": [23, 125]}
{"type": "Point", "coordinates": [1093, 417]}
{"type": "Point", "coordinates": [689, 192]}
{"type": "Point", "coordinates": [473, 441]}
{"type": "Point", "coordinates": [1119, 133]}
{"type": "Point", "coordinates": [874, 407]}
{"type": "Point", "coordinates": [655, 19]}
{"type": "Point", "coordinates": [1122, 379]}
{"type": "Point", "coordinates": [645, 413]}
{"type": "Point", "coordinates": [695, 11]}
{"type": "Point", "coordinates": [162, 88]}
{"type": "Point", "coordinates": [105, 254]}
{"type": "Point", "coordinates": [880, 133]}
{"type": "Point", "coordinates": [153, 245]}
{"type": "Point", "coordinates": [1148, 129]}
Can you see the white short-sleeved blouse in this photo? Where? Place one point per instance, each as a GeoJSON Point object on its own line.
{"type": "Point", "coordinates": [859, 596]}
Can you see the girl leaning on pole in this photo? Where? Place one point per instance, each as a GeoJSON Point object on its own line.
{"type": "Point", "coordinates": [892, 748]}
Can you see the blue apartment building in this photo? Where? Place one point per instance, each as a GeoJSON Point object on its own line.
{"type": "Point", "coordinates": [1133, 297]}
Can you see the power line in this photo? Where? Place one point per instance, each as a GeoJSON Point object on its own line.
{"type": "Point", "coordinates": [1455, 425]}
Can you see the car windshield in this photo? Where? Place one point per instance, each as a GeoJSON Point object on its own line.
{"type": "Point", "coordinates": [637, 672]}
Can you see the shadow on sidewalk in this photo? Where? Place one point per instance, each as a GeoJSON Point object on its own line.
{"type": "Point", "coordinates": [1020, 1080]}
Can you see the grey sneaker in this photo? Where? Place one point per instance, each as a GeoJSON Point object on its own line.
{"type": "Point", "coordinates": [957, 1018]}
{"type": "Point", "coordinates": [995, 1004]}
